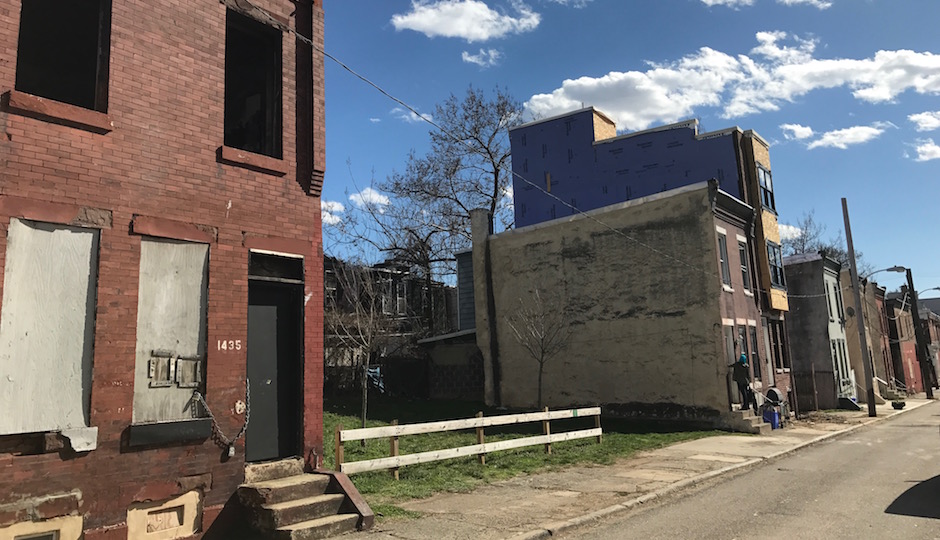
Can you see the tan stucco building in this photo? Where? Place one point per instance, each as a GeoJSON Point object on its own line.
{"type": "Point", "coordinates": [655, 291]}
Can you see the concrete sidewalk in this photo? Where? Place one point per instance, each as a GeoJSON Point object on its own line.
{"type": "Point", "coordinates": [546, 504]}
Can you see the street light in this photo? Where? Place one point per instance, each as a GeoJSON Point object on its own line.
{"type": "Point", "coordinates": [918, 331]}
{"type": "Point", "coordinates": [890, 269]}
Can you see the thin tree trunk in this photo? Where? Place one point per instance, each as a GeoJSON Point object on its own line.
{"type": "Point", "coordinates": [365, 391]}
{"type": "Point", "coordinates": [541, 370]}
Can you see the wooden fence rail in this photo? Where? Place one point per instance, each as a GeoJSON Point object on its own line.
{"type": "Point", "coordinates": [394, 431]}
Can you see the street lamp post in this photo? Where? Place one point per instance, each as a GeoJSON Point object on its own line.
{"type": "Point", "coordinates": [860, 315]}
{"type": "Point", "coordinates": [860, 323]}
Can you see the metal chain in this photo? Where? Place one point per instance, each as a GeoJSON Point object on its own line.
{"type": "Point", "coordinates": [217, 434]}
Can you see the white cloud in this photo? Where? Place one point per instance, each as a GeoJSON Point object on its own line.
{"type": "Point", "coordinates": [779, 70]}
{"type": "Point", "coordinates": [330, 210]}
{"type": "Point", "coordinates": [375, 120]}
{"type": "Point", "coordinates": [470, 20]}
{"type": "Point", "coordinates": [410, 117]}
{"type": "Point", "coordinates": [927, 150]}
{"type": "Point", "coordinates": [796, 131]}
{"type": "Point", "coordinates": [729, 3]}
{"type": "Point", "coordinates": [821, 4]}
{"type": "Point", "coordinates": [369, 197]}
{"type": "Point", "coordinates": [789, 232]}
{"type": "Point", "coordinates": [843, 138]}
{"type": "Point", "coordinates": [572, 3]}
{"type": "Point", "coordinates": [486, 58]}
{"type": "Point", "coordinates": [926, 121]}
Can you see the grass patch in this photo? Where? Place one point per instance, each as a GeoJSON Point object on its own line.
{"type": "Point", "coordinates": [621, 439]}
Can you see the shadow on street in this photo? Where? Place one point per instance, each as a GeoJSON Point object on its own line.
{"type": "Point", "coordinates": [922, 500]}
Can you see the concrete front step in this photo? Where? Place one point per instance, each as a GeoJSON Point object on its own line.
{"type": "Point", "coordinates": [272, 470]}
{"type": "Point", "coordinates": [280, 490]}
{"type": "Point", "coordinates": [316, 529]}
{"type": "Point", "coordinates": [279, 515]}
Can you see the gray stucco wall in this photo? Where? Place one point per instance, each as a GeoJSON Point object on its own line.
{"type": "Point", "coordinates": [47, 327]}
{"type": "Point", "coordinates": [641, 292]}
{"type": "Point", "coordinates": [809, 324]}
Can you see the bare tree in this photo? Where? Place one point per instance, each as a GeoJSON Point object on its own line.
{"type": "Point", "coordinates": [357, 323]}
{"type": "Point", "coordinates": [809, 239]}
{"type": "Point", "coordinates": [542, 328]}
{"type": "Point", "coordinates": [384, 229]}
{"type": "Point", "coordinates": [468, 165]}
{"type": "Point", "coordinates": [420, 216]}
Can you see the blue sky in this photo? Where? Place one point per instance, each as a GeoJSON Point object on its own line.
{"type": "Point", "coordinates": [846, 91]}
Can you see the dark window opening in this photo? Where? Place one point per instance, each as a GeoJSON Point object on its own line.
{"type": "Point", "coordinates": [723, 256]}
{"type": "Point", "coordinates": [775, 257]}
{"type": "Point", "coordinates": [252, 86]}
{"type": "Point", "coordinates": [755, 355]}
{"type": "Point", "coordinates": [262, 265]}
{"type": "Point", "coordinates": [63, 51]}
{"type": "Point", "coordinates": [766, 188]}
{"type": "Point", "coordinates": [745, 272]}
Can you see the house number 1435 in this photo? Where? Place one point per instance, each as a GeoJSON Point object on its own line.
{"type": "Point", "coordinates": [229, 345]}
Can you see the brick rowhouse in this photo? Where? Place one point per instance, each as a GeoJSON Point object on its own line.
{"type": "Point", "coordinates": [145, 160]}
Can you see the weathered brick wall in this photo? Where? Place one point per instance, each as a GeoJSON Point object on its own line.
{"type": "Point", "coordinates": [166, 104]}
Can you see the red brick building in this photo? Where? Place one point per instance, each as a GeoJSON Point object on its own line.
{"type": "Point", "coordinates": [159, 237]}
{"type": "Point", "coordinates": [903, 342]}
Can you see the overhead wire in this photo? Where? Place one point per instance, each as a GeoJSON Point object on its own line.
{"type": "Point", "coordinates": [426, 119]}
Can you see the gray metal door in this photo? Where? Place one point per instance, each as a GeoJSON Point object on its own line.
{"type": "Point", "coordinates": [275, 357]}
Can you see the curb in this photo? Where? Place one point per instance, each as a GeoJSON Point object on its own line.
{"type": "Point", "coordinates": [552, 529]}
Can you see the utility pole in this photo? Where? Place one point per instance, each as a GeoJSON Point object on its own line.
{"type": "Point", "coordinates": [919, 336]}
{"type": "Point", "coordinates": [860, 315]}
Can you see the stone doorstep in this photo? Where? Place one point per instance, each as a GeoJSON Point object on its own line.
{"type": "Point", "coordinates": [317, 529]}
{"type": "Point", "coordinates": [260, 472]}
{"type": "Point", "coordinates": [283, 489]}
{"type": "Point", "coordinates": [299, 510]}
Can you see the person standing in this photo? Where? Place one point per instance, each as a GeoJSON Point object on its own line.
{"type": "Point", "coordinates": [741, 373]}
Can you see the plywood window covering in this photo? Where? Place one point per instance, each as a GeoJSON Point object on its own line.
{"type": "Point", "coordinates": [47, 322]}
{"type": "Point", "coordinates": [171, 329]}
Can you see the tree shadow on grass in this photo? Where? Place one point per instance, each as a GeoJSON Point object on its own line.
{"type": "Point", "coordinates": [922, 500]}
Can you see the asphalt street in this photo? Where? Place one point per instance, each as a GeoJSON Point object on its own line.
{"type": "Point", "coordinates": [881, 481]}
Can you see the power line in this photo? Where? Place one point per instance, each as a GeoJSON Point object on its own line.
{"type": "Point", "coordinates": [440, 128]}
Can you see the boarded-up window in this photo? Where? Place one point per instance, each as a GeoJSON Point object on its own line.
{"type": "Point", "coordinates": [47, 323]}
{"type": "Point", "coordinates": [171, 328]}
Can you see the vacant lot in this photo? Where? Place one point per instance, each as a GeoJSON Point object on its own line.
{"type": "Point", "coordinates": [621, 439]}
